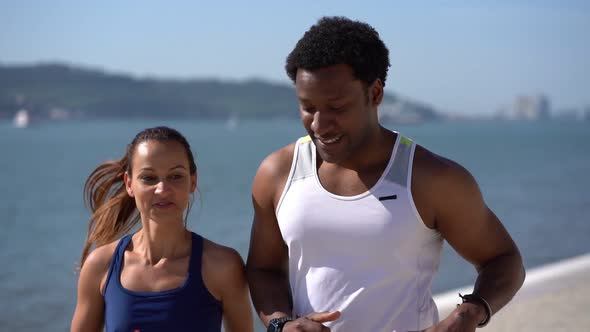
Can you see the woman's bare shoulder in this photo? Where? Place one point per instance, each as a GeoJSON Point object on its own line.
{"type": "Point", "coordinates": [95, 268]}
{"type": "Point", "coordinates": [223, 269]}
{"type": "Point", "coordinates": [220, 256]}
{"type": "Point", "coordinates": [100, 257]}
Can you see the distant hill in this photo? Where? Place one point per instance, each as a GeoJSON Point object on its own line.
{"type": "Point", "coordinates": [61, 91]}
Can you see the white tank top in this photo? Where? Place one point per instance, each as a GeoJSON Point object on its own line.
{"type": "Point", "coordinates": [369, 256]}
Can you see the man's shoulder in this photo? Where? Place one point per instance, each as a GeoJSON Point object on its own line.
{"type": "Point", "coordinates": [278, 163]}
{"type": "Point", "coordinates": [433, 163]}
{"type": "Point", "coordinates": [436, 180]}
{"type": "Point", "coordinates": [431, 168]}
{"type": "Point", "coordinates": [272, 175]}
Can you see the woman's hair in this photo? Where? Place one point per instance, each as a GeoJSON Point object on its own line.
{"type": "Point", "coordinates": [113, 211]}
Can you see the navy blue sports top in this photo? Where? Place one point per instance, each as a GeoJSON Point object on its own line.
{"type": "Point", "coordinates": [189, 307]}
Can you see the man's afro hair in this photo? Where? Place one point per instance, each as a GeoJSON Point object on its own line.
{"type": "Point", "coordinates": [339, 40]}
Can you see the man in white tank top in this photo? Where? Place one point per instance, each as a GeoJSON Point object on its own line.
{"type": "Point", "coordinates": [349, 221]}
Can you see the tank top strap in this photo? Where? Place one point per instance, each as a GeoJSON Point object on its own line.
{"type": "Point", "coordinates": [118, 256]}
{"type": "Point", "coordinates": [303, 159]}
{"type": "Point", "coordinates": [196, 255]}
{"type": "Point", "coordinates": [402, 161]}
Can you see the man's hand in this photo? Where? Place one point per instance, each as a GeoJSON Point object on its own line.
{"type": "Point", "coordinates": [463, 319]}
{"type": "Point", "coordinates": [312, 322]}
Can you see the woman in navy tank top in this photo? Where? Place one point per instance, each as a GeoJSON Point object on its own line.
{"type": "Point", "coordinates": [161, 276]}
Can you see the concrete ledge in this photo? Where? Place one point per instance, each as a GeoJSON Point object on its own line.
{"type": "Point", "coordinates": [554, 297]}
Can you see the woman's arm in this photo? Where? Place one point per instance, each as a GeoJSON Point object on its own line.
{"type": "Point", "coordinates": [237, 311]}
{"type": "Point", "coordinates": [89, 312]}
{"type": "Point", "coordinates": [224, 275]}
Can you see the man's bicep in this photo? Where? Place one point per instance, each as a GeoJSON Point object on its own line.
{"type": "Point", "coordinates": [467, 223]}
{"type": "Point", "coordinates": [267, 248]}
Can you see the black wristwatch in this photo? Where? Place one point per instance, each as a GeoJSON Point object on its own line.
{"type": "Point", "coordinates": [276, 324]}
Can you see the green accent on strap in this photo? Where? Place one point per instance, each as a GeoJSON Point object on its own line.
{"type": "Point", "coordinates": [305, 139]}
{"type": "Point", "coordinates": [406, 141]}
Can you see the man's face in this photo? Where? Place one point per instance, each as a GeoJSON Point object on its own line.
{"type": "Point", "coordinates": [336, 110]}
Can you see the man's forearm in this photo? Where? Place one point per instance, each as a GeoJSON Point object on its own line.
{"type": "Point", "coordinates": [271, 293]}
{"type": "Point", "coordinates": [497, 282]}
{"type": "Point", "coordinates": [500, 279]}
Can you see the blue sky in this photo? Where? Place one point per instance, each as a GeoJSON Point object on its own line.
{"type": "Point", "coordinates": [467, 57]}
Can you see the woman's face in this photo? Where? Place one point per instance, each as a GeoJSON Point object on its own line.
{"type": "Point", "coordinates": [160, 180]}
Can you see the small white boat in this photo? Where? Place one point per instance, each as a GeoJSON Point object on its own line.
{"type": "Point", "coordinates": [21, 119]}
{"type": "Point", "coordinates": [232, 122]}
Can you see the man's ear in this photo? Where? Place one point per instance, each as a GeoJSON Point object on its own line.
{"type": "Point", "coordinates": [127, 181]}
{"type": "Point", "coordinates": [376, 93]}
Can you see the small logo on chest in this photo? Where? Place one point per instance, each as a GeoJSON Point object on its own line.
{"type": "Point", "coordinates": [386, 198]}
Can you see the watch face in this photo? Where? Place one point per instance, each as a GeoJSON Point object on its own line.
{"type": "Point", "coordinates": [276, 324]}
{"type": "Point", "coordinates": [273, 325]}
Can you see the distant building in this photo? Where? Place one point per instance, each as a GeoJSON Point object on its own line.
{"type": "Point", "coordinates": [531, 108]}
{"type": "Point", "coordinates": [527, 108]}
